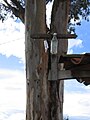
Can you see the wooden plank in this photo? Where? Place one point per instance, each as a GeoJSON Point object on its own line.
{"type": "Point", "coordinates": [54, 74]}
{"type": "Point", "coordinates": [81, 74]}
{"type": "Point", "coordinates": [62, 75]}
{"type": "Point", "coordinates": [83, 67]}
{"type": "Point", "coordinates": [76, 55]}
{"type": "Point", "coordinates": [73, 55]}
{"type": "Point", "coordinates": [49, 36]}
{"type": "Point", "coordinates": [67, 74]}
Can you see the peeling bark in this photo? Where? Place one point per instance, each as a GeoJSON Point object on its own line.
{"type": "Point", "coordinates": [59, 20]}
{"type": "Point", "coordinates": [36, 62]}
{"type": "Point", "coordinates": [44, 98]}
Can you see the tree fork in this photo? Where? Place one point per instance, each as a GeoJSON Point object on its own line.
{"type": "Point", "coordinates": [59, 19]}
{"type": "Point", "coordinates": [44, 98]}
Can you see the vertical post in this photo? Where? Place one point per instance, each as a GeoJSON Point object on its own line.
{"type": "Point", "coordinates": [54, 62]}
{"type": "Point", "coordinates": [59, 20]}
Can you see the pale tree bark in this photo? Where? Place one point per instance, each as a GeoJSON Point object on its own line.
{"type": "Point", "coordinates": [59, 20]}
{"type": "Point", "coordinates": [44, 98]}
{"type": "Point", "coordinates": [36, 62]}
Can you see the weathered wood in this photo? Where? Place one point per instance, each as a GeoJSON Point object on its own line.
{"type": "Point", "coordinates": [49, 36]}
{"type": "Point", "coordinates": [67, 75]}
{"type": "Point", "coordinates": [44, 98]}
{"type": "Point", "coordinates": [36, 62]}
{"type": "Point", "coordinates": [58, 25]}
{"type": "Point", "coordinates": [28, 53]}
{"type": "Point", "coordinates": [73, 55]}
{"type": "Point", "coordinates": [54, 68]}
{"type": "Point", "coordinates": [81, 74]}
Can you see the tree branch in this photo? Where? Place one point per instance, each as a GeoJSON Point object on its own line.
{"type": "Point", "coordinates": [21, 10]}
{"type": "Point", "coordinates": [54, 10]}
{"type": "Point", "coordinates": [18, 10]}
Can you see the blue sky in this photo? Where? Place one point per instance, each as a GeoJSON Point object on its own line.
{"type": "Point", "coordinates": [83, 33]}
{"type": "Point", "coordinates": [12, 74]}
{"type": "Point", "coordinates": [76, 95]}
{"type": "Point", "coordinates": [12, 71]}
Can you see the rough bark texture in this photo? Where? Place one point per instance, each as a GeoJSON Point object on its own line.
{"type": "Point", "coordinates": [44, 98]}
{"type": "Point", "coordinates": [36, 62]}
{"type": "Point", "coordinates": [59, 20]}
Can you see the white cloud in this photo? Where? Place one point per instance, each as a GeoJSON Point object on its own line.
{"type": "Point", "coordinates": [74, 43]}
{"type": "Point", "coordinates": [48, 13]}
{"type": "Point", "coordinates": [12, 94]}
{"type": "Point", "coordinates": [12, 39]}
{"type": "Point", "coordinates": [77, 104]}
{"type": "Point", "coordinates": [17, 116]}
{"type": "Point", "coordinates": [12, 83]}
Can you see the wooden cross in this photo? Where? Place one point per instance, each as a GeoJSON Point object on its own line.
{"type": "Point", "coordinates": [57, 74]}
{"type": "Point", "coordinates": [50, 36]}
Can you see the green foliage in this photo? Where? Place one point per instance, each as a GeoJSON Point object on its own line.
{"type": "Point", "coordinates": [11, 9]}
{"type": "Point", "coordinates": [79, 9]}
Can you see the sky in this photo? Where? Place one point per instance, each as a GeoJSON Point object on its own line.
{"type": "Point", "coordinates": [12, 73]}
{"type": "Point", "coordinates": [77, 95]}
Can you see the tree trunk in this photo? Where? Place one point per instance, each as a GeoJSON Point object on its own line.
{"type": "Point", "coordinates": [44, 98]}
{"type": "Point", "coordinates": [59, 21]}
{"type": "Point", "coordinates": [36, 62]}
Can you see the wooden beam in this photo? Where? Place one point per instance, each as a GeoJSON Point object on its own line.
{"type": "Point", "coordinates": [67, 74]}
{"type": "Point", "coordinates": [54, 70]}
{"type": "Point", "coordinates": [73, 55]}
{"type": "Point", "coordinates": [49, 36]}
{"type": "Point", "coordinates": [81, 74]}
